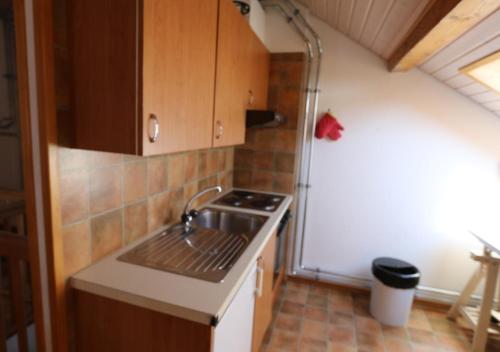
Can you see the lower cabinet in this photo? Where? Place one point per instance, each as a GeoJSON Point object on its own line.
{"type": "Point", "coordinates": [244, 324]}
{"type": "Point", "coordinates": [103, 324]}
{"type": "Point", "coordinates": [234, 331]}
{"type": "Point", "coordinates": [263, 312]}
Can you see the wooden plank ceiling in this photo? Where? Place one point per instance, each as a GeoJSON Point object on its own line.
{"type": "Point", "coordinates": [380, 25]}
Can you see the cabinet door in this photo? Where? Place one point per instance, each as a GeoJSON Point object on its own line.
{"type": "Point", "coordinates": [232, 82]}
{"type": "Point", "coordinates": [178, 68]}
{"type": "Point", "coordinates": [264, 299]}
{"type": "Point", "coordinates": [259, 61]}
{"type": "Point", "coordinates": [234, 332]}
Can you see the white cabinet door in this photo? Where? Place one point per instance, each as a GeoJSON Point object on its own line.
{"type": "Point", "coordinates": [234, 332]}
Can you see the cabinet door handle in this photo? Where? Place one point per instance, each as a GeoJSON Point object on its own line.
{"type": "Point", "coordinates": [260, 278]}
{"type": "Point", "coordinates": [219, 129]}
{"type": "Point", "coordinates": [154, 128]}
{"type": "Point", "coordinates": [251, 98]}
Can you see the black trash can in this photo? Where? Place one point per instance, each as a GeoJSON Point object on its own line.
{"type": "Point", "coordinates": [393, 290]}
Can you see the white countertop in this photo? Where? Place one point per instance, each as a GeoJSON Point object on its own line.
{"type": "Point", "coordinates": [173, 294]}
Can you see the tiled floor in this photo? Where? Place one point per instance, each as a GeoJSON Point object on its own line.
{"type": "Point", "coordinates": [318, 319]}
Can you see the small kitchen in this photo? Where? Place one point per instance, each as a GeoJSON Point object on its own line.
{"type": "Point", "coordinates": [257, 175]}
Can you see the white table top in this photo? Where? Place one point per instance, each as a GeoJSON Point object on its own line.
{"type": "Point", "coordinates": [488, 235]}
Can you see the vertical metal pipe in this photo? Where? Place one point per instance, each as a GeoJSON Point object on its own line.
{"type": "Point", "coordinates": [301, 26]}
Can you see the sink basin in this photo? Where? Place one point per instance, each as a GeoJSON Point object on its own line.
{"type": "Point", "coordinates": [230, 222]}
{"type": "Point", "coordinates": [207, 251]}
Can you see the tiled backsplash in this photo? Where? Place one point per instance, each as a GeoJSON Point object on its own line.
{"type": "Point", "coordinates": [267, 160]}
{"type": "Point", "coordinates": [109, 200]}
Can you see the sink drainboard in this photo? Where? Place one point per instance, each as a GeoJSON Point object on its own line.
{"type": "Point", "coordinates": [205, 254]}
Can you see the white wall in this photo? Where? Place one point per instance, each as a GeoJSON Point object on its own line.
{"type": "Point", "coordinates": [416, 163]}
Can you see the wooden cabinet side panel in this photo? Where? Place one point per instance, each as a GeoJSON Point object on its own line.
{"type": "Point", "coordinates": [264, 303]}
{"type": "Point", "coordinates": [179, 53]}
{"type": "Point", "coordinates": [260, 60]}
{"type": "Point", "coordinates": [103, 44]}
{"type": "Point", "coordinates": [232, 79]}
{"type": "Point", "coordinates": [106, 325]}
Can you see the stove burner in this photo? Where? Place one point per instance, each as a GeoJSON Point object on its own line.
{"type": "Point", "coordinates": [251, 200]}
{"type": "Point", "coordinates": [243, 194]}
{"type": "Point", "coordinates": [263, 204]}
{"type": "Point", "coordinates": [234, 201]}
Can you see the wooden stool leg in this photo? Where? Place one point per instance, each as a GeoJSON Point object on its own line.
{"type": "Point", "coordinates": [466, 292]}
{"type": "Point", "coordinates": [481, 332]}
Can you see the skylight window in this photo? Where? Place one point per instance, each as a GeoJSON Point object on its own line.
{"type": "Point", "coordinates": [486, 71]}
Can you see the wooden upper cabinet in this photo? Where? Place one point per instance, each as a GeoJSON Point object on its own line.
{"type": "Point", "coordinates": [259, 63]}
{"type": "Point", "coordinates": [161, 76]}
{"type": "Point", "coordinates": [141, 66]}
{"type": "Point", "coordinates": [264, 300]}
{"type": "Point", "coordinates": [242, 75]}
{"type": "Point", "coordinates": [231, 85]}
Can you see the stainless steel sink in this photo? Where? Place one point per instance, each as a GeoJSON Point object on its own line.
{"type": "Point", "coordinates": [230, 222]}
{"type": "Point", "coordinates": [207, 251]}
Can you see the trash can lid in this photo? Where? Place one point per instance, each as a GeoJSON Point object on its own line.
{"type": "Point", "coordinates": [395, 273]}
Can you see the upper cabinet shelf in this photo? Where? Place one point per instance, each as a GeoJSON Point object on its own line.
{"type": "Point", "coordinates": [161, 76]}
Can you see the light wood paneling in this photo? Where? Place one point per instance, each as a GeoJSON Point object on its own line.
{"type": "Point", "coordinates": [378, 25]}
{"type": "Point", "coordinates": [381, 25]}
{"type": "Point", "coordinates": [441, 24]}
{"type": "Point", "coordinates": [481, 41]}
{"type": "Point", "coordinates": [178, 73]}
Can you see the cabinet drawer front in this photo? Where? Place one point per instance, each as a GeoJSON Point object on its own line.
{"type": "Point", "coordinates": [179, 52]}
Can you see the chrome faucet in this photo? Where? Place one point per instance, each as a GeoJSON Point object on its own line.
{"type": "Point", "coordinates": [189, 214]}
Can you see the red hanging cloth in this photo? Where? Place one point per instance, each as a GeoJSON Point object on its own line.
{"type": "Point", "coordinates": [328, 126]}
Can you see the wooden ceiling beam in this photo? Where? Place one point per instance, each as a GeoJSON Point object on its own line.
{"type": "Point", "coordinates": [441, 23]}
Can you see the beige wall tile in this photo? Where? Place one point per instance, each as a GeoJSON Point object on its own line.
{"type": "Point", "coordinates": [176, 171]}
{"type": "Point", "coordinates": [135, 221]}
{"type": "Point", "coordinates": [76, 247]}
{"type": "Point", "coordinates": [134, 181]}
{"type": "Point", "coordinates": [157, 174]}
{"type": "Point", "coordinates": [106, 234]}
{"type": "Point", "coordinates": [74, 195]}
{"type": "Point", "coordinates": [105, 189]}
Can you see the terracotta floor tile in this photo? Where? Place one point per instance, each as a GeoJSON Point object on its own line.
{"type": "Point", "coordinates": [368, 325]}
{"type": "Point", "coordinates": [444, 326]}
{"type": "Point", "coordinates": [313, 318]}
{"type": "Point", "coordinates": [451, 343]}
{"type": "Point", "coordinates": [362, 309]}
{"type": "Point", "coordinates": [341, 318]}
{"type": "Point", "coordinates": [337, 347]}
{"type": "Point", "coordinates": [370, 342]}
{"type": "Point", "coordinates": [284, 340]}
{"type": "Point", "coordinates": [422, 337]}
{"type": "Point", "coordinates": [344, 307]}
{"type": "Point", "coordinates": [296, 296]}
{"type": "Point", "coordinates": [390, 331]}
{"type": "Point", "coordinates": [308, 344]}
{"type": "Point", "coordinates": [297, 286]}
{"type": "Point", "coordinates": [288, 322]}
{"type": "Point", "coordinates": [424, 348]}
{"type": "Point", "coordinates": [314, 313]}
{"type": "Point", "coordinates": [293, 308]}
{"type": "Point", "coordinates": [397, 345]}
{"type": "Point", "coordinates": [317, 301]}
{"type": "Point", "coordinates": [421, 323]}
{"type": "Point", "coordinates": [314, 329]}
{"type": "Point", "coordinates": [343, 335]}
{"type": "Point", "coordinates": [319, 290]}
